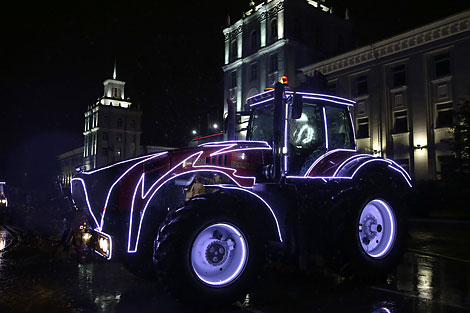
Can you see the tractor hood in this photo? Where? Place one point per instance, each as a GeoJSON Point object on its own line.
{"type": "Point", "coordinates": [239, 162]}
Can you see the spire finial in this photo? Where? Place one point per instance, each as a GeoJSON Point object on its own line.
{"type": "Point", "coordinates": [114, 73]}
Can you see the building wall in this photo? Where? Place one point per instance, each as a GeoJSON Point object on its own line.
{"type": "Point", "coordinates": [407, 88]}
{"type": "Point", "coordinates": [69, 162]}
{"type": "Point", "coordinates": [274, 39]}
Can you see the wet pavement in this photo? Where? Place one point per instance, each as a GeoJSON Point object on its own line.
{"type": "Point", "coordinates": [37, 274]}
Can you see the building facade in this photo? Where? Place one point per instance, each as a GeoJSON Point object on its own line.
{"type": "Point", "coordinates": [274, 39]}
{"type": "Point", "coordinates": [69, 162]}
{"type": "Point", "coordinates": [112, 127]}
{"type": "Point", "coordinates": [407, 89]}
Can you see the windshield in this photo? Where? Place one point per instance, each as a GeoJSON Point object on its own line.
{"type": "Point", "coordinates": [306, 135]}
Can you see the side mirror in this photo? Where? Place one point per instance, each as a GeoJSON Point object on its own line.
{"type": "Point", "coordinates": [296, 107]}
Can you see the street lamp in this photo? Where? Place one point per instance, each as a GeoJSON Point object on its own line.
{"type": "Point", "coordinates": [215, 126]}
{"type": "Point", "coordinates": [194, 132]}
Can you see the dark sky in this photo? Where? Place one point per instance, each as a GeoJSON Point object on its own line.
{"type": "Point", "coordinates": [54, 57]}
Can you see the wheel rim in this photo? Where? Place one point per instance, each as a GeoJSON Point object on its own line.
{"type": "Point", "coordinates": [219, 254]}
{"type": "Point", "coordinates": [377, 228]}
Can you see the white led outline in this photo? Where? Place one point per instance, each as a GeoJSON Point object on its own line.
{"type": "Point", "coordinates": [353, 128]}
{"type": "Point", "coordinates": [240, 266]}
{"type": "Point", "coordinates": [224, 143]}
{"type": "Point", "coordinates": [362, 155]}
{"type": "Point", "coordinates": [105, 207]}
{"type": "Point", "coordinates": [264, 101]}
{"type": "Point", "coordinates": [86, 197]}
{"type": "Point", "coordinates": [198, 168]}
{"type": "Point", "coordinates": [327, 100]}
{"type": "Point", "coordinates": [396, 169]}
{"type": "Point", "coordinates": [392, 231]}
{"type": "Point", "coordinates": [322, 157]}
{"type": "Point", "coordinates": [325, 95]}
{"type": "Point", "coordinates": [119, 163]}
{"type": "Point", "coordinates": [259, 94]}
{"type": "Point", "coordinates": [265, 203]}
{"type": "Point", "coordinates": [326, 128]}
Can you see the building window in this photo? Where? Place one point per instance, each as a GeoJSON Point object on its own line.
{"type": "Point", "coordinates": [234, 50]}
{"type": "Point", "coordinates": [442, 65]}
{"type": "Point", "coordinates": [254, 40]}
{"type": "Point", "coordinates": [118, 138]}
{"type": "Point", "coordinates": [297, 29]}
{"type": "Point", "coordinates": [401, 122]}
{"type": "Point", "coordinates": [445, 115]}
{"type": "Point", "coordinates": [233, 79]}
{"type": "Point", "coordinates": [253, 72]}
{"type": "Point", "coordinates": [362, 127]}
{"type": "Point", "coordinates": [115, 93]}
{"type": "Point", "coordinates": [273, 63]}
{"type": "Point", "coordinates": [105, 136]}
{"type": "Point", "coordinates": [273, 29]}
{"type": "Point", "coordinates": [119, 122]}
{"type": "Point", "coordinates": [398, 76]}
{"type": "Point", "coordinates": [361, 85]}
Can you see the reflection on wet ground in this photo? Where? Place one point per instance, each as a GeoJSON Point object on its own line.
{"type": "Point", "coordinates": [433, 277]}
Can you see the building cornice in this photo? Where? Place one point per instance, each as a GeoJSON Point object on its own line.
{"type": "Point", "coordinates": [264, 12]}
{"type": "Point", "coordinates": [268, 49]}
{"type": "Point", "coordinates": [439, 30]}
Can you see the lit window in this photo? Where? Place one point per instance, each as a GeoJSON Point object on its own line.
{"type": "Point", "coordinates": [234, 50]}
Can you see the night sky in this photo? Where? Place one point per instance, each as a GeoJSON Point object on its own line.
{"type": "Point", "coordinates": [55, 56]}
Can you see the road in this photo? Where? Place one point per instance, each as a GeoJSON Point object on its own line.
{"type": "Point", "coordinates": [38, 275]}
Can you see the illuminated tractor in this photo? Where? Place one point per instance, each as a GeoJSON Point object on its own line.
{"type": "Point", "coordinates": [205, 220]}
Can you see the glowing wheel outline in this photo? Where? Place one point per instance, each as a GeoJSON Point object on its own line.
{"type": "Point", "coordinates": [233, 265]}
{"type": "Point", "coordinates": [377, 224]}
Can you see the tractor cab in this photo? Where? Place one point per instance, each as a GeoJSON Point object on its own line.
{"type": "Point", "coordinates": [304, 125]}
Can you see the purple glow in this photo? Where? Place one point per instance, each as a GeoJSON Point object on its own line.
{"type": "Point", "coordinates": [326, 128]}
{"type": "Point", "coordinates": [322, 157]}
{"type": "Point", "coordinates": [264, 101]}
{"type": "Point", "coordinates": [353, 127]}
{"type": "Point", "coordinates": [265, 203]}
{"type": "Point", "coordinates": [349, 159]}
{"type": "Point", "coordinates": [327, 96]}
{"type": "Point", "coordinates": [329, 100]}
{"type": "Point", "coordinates": [122, 162]}
{"type": "Point", "coordinates": [120, 177]}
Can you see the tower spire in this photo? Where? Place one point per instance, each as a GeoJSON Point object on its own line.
{"type": "Point", "coordinates": [114, 73]}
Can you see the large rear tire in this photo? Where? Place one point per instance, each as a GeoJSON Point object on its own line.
{"type": "Point", "coordinates": [206, 252]}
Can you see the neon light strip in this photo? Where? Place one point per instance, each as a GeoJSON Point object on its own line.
{"type": "Point", "coordinates": [396, 169]}
{"type": "Point", "coordinates": [151, 197]}
{"type": "Point", "coordinates": [267, 205]}
{"type": "Point", "coordinates": [110, 244]}
{"type": "Point", "coordinates": [349, 159]}
{"type": "Point", "coordinates": [353, 128]}
{"type": "Point", "coordinates": [240, 149]}
{"type": "Point", "coordinates": [322, 157]}
{"type": "Point", "coordinates": [118, 163]}
{"type": "Point", "coordinates": [264, 101]}
{"type": "Point", "coordinates": [202, 168]}
{"type": "Point", "coordinates": [86, 198]}
{"type": "Point", "coordinates": [401, 168]}
{"type": "Point", "coordinates": [224, 143]}
{"type": "Point", "coordinates": [326, 128]}
{"type": "Point", "coordinates": [392, 229]}
{"type": "Point", "coordinates": [260, 94]}
{"type": "Point", "coordinates": [327, 96]}
{"type": "Point", "coordinates": [328, 100]}
{"type": "Point", "coordinates": [286, 126]}
{"type": "Point", "coordinates": [120, 177]}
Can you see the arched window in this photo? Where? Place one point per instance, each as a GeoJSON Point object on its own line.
{"type": "Point", "coordinates": [254, 40]}
{"type": "Point", "coordinates": [274, 28]}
